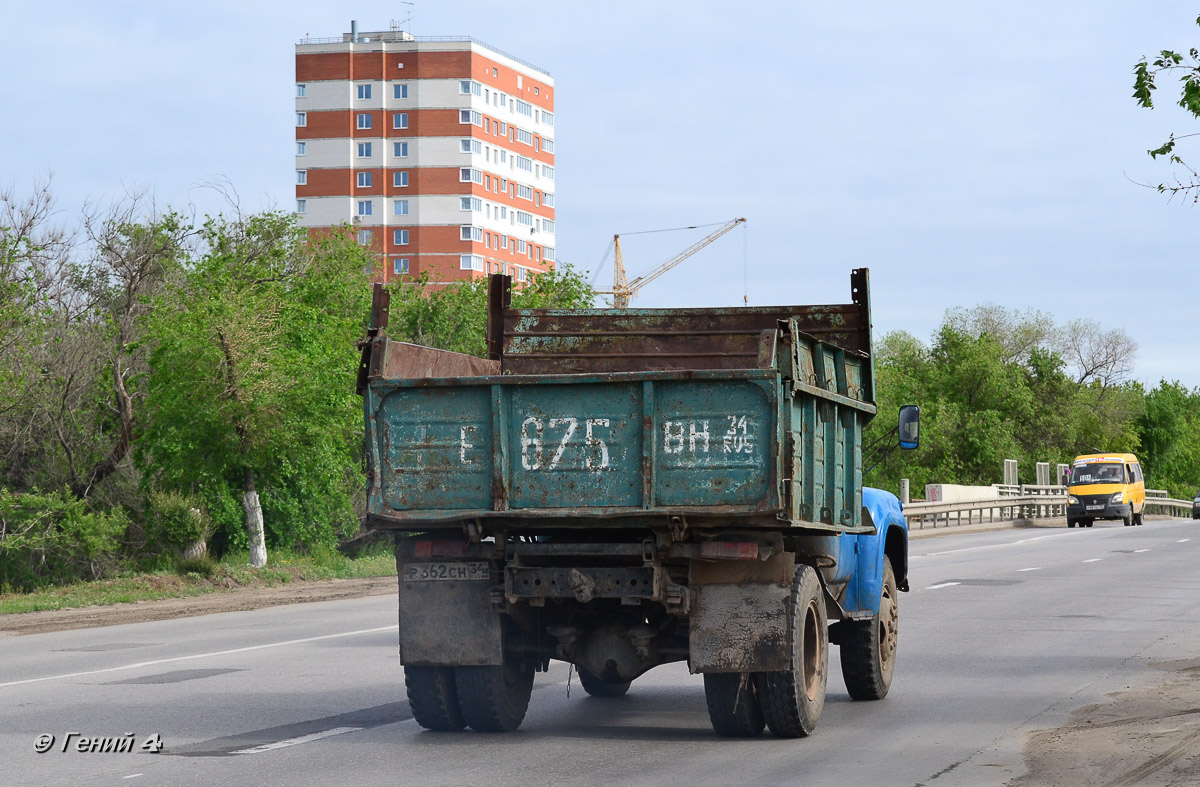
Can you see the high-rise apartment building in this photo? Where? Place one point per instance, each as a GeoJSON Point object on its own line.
{"type": "Point", "coordinates": [438, 151]}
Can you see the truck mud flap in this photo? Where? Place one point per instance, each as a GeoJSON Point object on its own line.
{"type": "Point", "coordinates": [739, 617]}
{"type": "Point", "coordinates": [448, 623]}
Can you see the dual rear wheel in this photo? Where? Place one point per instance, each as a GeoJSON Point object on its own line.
{"type": "Point", "coordinates": [486, 698]}
{"type": "Point", "coordinates": [789, 702]}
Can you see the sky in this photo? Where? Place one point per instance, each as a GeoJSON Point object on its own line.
{"type": "Point", "coordinates": [967, 153]}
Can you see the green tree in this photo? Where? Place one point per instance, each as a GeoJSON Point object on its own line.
{"type": "Point", "coordinates": [455, 317]}
{"type": "Point", "coordinates": [1145, 82]}
{"type": "Point", "coordinates": [1169, 429]}
{"type": "Point", "coordinates": [250, 387]}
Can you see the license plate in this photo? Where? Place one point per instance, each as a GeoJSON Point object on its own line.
{"type": "Point", "coordinates": [425, 572]}
{"type": "Point", "coordinates": [1096, 508]}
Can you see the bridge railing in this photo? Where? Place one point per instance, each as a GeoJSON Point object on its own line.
{"type": "Point", "coordinates": [1024, 501]}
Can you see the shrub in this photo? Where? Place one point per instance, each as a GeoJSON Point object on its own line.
{"type": "Point", "coordinates": [54, 538]}
{"type": "Point", "coordinates": [174, 522]}
{"type": "Point", "coordinates": [203, 566]}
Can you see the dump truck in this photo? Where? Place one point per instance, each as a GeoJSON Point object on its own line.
{"type": "Point", "coordinates": [624, 488]}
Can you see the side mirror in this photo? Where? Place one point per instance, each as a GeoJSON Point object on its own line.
{"type": "Point", "coordinates": [910, 426]}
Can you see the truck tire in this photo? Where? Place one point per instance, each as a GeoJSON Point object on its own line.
{"type": "Point", "coordinates": [494, 698]}
{"type": "Point", "coordinates": [433, 698]}
{"type": "Point", "coordinates": [732, 707]}
{"type": "Point", "coordinates": [1071, 522]}
{"type": "Point", "coordinates": [792, 700]}
{"type": "Point", "coordinates": [868, 649]}
{"type": "Point", "coordinates": [597, 687]}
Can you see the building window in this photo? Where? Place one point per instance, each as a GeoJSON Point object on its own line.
{"type": "Point", "coordinates": [470, 146]}
{"type": "Point", "coordinates": [302, 206]}
{"type": "Point", "coordinates": [301, 118]}
{"type": "Point", "coordinates": [364, 237]}
{"type": "Point", "coordinates": [548, 171]}
{"type": "Point", "coordinates": [495, 72]}
{"type": "Point", "coordinates": [524, 192]}
{"type": "Point", "coordinates": [523, 136]}
{"type": "Point", "coordinates": [503, 128]}
{"type": "Point", "coordinates": [524, 219]}
{"type": "Point", "coordinates": [524, 163]}
{"type": "Point", "coordinates": [504, 242]}
{"type": "Point", "coordinates": [301, 90]}
{"type": "Point", "coordinates": [522, 273]}
{"type": "Point", "coordinates": [470, 116]}
{"type": "Point", "coordinates": [548, 226]}
{"type": "Point", "coordinates": [365, 207]}
{"type": "Point", "coordinates": [467, 232]}
{"type": "Point", "coordinates": [470, 262]}
{"type": "Point", "coordinates": [301, 177]}
{"type": "Point", "coordinates": [470, 175]}
{"type": "Point", "coordinates": [547, 144]}
{"type": "Point", "coordinates": [400, 90]}
{"type": "Point", "coordinates": [301, 148]}
{"type": "Point", "coordinates": [470, 203]}
{"type": "Point", "coordinates": [400, 120]}
{"type": "Point", "coordinates": [521, 246]}
{"type": "Point", "coordinates": [364, 91]}
{"type": "Point", "coordinates": [400, 149]}
{"type": "Point", "coordinates": [547, 199]}
{"type": "Point", "coordinates": [400, 266]}
{"type": "Point", "coordinates": [364, 150]}
{"type": "Point", "coordinates": [503, 211]}
{"type": "Point", "coordinates": [401, 207]}
{"type": "Point", "coordinates": [364, 119]}
{"type": "Point", "coordinates": [400, 178]}
{"type": "Point", "coordinates": [487, 125]}
{"type": "Point", "coordinates": [364, 180]}
{"type": "Point", "coordinates": [523, 107]}
{"type": "Point", "coordinates": [400, 237]}
{"type": "Point", "coordinates": [547, 118]}
{"type": "Point", "coordinates": [468, 87]}
{"type": "Point", "coordinates": [548, 253]}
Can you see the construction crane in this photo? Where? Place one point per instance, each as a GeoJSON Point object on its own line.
{"type": "Point", "coordinates": [623, 290]}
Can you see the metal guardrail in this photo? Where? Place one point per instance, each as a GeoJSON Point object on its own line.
{"type": "Point", "coordinates": [1027, 501]}
{"type": "Point", "coordinates": [1029, 505]}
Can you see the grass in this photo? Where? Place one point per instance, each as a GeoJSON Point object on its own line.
{"type": "Point", "coordinates": [198, 578]}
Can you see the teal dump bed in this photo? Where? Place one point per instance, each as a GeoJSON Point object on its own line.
{"type": "Point", "coordinates": [624, 418]}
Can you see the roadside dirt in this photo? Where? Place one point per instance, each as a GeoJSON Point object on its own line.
{"type": "Point", "coordinates": [1146, 736]}
{"type": "Point", "coordinates": [230, 601]}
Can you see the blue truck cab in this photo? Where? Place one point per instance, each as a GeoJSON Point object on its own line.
{"type": "Point", "coordinates": [624, 488]}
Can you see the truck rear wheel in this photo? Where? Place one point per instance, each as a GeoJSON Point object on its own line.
{"type": "Point", "coordinates": [792, 700]}
{"type": "Point", "coordinates": [433, 698]}
{"type": "Point", "coordinates": [597, 687]}
{"type": "Point", "coordinates": [868, 649]}
{"type": "Point", "coordinates": [494, 698]}
{"type": "Point", "coordinates": [733, 708]}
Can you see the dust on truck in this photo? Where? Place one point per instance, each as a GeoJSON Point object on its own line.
{"type": "Point", "coordinates": [624, 488]}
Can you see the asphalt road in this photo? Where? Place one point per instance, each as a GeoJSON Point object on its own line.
{"type": "Point", "coordinates": [1004, 633]}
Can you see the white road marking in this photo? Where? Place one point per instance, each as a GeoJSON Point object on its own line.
{"type": "Point", "coordinates": [1094, 560]}
{"type": "Point", "coordinates": [1140, 550]}
{"type": "Point", "coordinates": [201, 655]}
{"type": "Point", "coordinates": [1035, 568]}
{"type": "Point", "coordinates": [131, 776]}
{"type": "Point", "coordinates": [943, 585]}
{"type": "Point", "coordinates": [316, 736]}
{"type": "Point", "coordinates": [1183, 541]}
{"type": "Point", "coordinates": [994, 546]}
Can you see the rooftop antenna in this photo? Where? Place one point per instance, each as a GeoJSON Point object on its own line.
{"type": "Point", "coordinates": [405, 22]}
